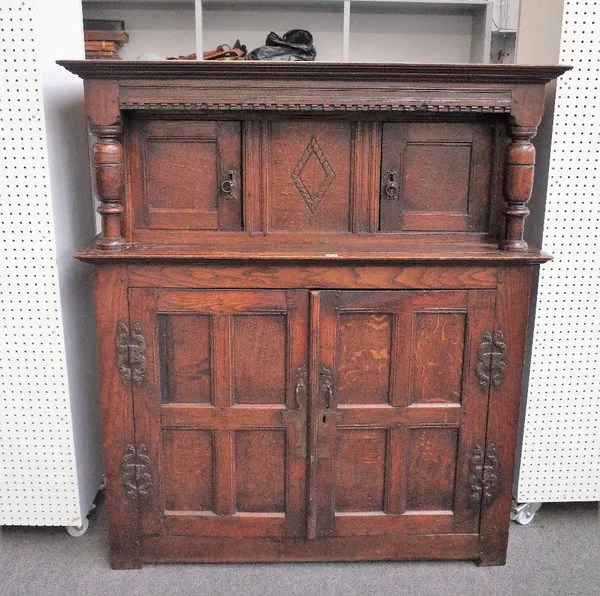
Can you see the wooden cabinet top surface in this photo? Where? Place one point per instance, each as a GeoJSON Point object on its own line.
{"type": "Point", "coordinates": [351, 71]}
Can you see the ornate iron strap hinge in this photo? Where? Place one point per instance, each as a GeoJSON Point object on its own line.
{"type": "Point", "coordinates": [131, 361]}
{"type": "Point", "coordinates": [483, 476]}
{"type": "Point", "coordinates": [491, 360]}
{"type": "Point", "coordinates": [475, 476]}
{"type": "Point", "coordinates": [490, 475]}
{"type": "Point", "coordinates": [136, 471]}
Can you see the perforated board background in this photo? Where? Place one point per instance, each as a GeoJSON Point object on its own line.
{"type": "Point", "coordinates": [38, 484]}
{"type": "Point", "coordinates": [560, 458]}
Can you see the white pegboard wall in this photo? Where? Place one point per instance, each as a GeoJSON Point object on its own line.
{"type": "Point", "coordinates": [38, 482]}
{"type": "Point", "coordinates": [560, 459]}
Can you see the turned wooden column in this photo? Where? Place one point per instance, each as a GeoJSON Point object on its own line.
{"type": "Point", "coordinates": [518, 185]}
{"type": "Point", "coordinates": [110, 183]}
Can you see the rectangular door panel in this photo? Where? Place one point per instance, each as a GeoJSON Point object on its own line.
{"type": "Point", "coordinates": [309, 173]}
{"type": "Point", "coordinates": [437, 372]}
{"type": "Point", "coordinates": [360, 469]}
{"type": "Point", "coordinates": [226, 438]}
{"type": "Point", "coordinates": [260, 471]}
{"type": "Point", "coordinates": [187, 461]}
{"type": "Point", "coordinates": [187, 176]}
{"type": "Point", "coordinates": [394, 450]}
{"type": "Point", "coordinates": [185, 358]}
{"type": "Point", "coordinates": [258, 344]}
{"type": "Point", "coordinates": [436, 177]}
{"type": "Point", "coordinates": [432, 457]}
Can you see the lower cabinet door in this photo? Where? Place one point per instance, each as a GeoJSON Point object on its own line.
{"type": "Point", "coordinates": [221, 413]}
{"type": "Point", "coordinates": [400, 417]}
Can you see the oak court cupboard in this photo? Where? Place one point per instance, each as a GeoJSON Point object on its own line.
{"type": "Point", "coordinates": [312, 293]}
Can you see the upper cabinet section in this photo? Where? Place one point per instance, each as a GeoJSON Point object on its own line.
{"type": "Point", "coordinates": [194, 152]}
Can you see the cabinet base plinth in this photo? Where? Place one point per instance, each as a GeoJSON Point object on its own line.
{"type": "Point", "coordinates": [184, 549]}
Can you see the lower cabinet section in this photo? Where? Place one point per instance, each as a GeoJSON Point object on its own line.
{"type": "Point", "coordinates": [309, 425]}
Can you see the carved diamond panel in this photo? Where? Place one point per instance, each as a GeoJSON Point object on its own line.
{"type": "Point", "coordinates": [313, 151]}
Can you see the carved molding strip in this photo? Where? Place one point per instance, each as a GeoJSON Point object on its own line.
{"type": "Point", "coordinates": [313, 107]}
{"type": "Point", "coordinates": [316, 97]}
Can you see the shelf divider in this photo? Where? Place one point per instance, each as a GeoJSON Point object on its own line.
{"type": "Point", "coordinates": [199, 29]}
{"type": "Point", "coordinates": [346, 37]}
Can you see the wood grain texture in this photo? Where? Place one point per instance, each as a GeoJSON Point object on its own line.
{"type": "Point", "coordinates": [117, 416]}
{"type": "Point", "coordinates": [338, 275]}
{"type": "Point", "coordinates": [184, 175]}
{"type": "Point", "coordinates": [436, 176]}
{"type": "Point", "coordinates": [430, 250]}
{"type": "Point", "coordinates": [503, 417]}
{"type": "Point", "coordinates": [237, 421]}
{"type": "Point", "coordinates": [309, 169]}
{"type": "Point", "coordinates": [192, 549]}
{"type": "Point", "coordinates": [108, 158]}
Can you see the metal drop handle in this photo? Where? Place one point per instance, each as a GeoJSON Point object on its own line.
{"type": "Point", "coordinates": [300, 391]}
{"type": "Point", "coordinates": [326, 386]}
{"type": "Point", "coordinates": [228, 185]}
{"type": "Point", "coordinates": [391, 187]}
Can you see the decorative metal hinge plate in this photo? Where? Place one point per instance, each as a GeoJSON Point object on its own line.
{"type": "Point", "coordinates": [491, 360]}
{"type": "Point", "coordinates": [483, 476]}
{"type": "Point", "coordinates": [131, 361]}
{"type": "Point", "coordinates": [491, 485]}
{"type": "Point", "coordinates": [136, 471]}
{"type": "Point", "coordinates": [475, 474]}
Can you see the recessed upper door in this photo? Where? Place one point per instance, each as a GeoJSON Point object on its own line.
{"type": "Point", "coordinates": [186, 175]}
{"type": "Point", "coordinates": [436, 177]}
{"type": "Point", "coordinates": [308, 176]}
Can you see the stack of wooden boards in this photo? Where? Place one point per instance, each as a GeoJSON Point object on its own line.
{"type": "Point", "coordinates": [103, 39]}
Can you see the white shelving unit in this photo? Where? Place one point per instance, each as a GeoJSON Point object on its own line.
{"type": "Point", "coordinates": [505, 22]}
{"type": "Point", "coordinates": [344, 30]}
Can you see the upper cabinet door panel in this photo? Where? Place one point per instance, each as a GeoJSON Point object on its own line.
{"type": "Point", "coordinates": [308, 176]}
{"type": "Point", "coordinates": [186, 175]}
{"type": "Point", "coordinates": [436, 177]}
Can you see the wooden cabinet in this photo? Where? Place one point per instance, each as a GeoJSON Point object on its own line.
{"type": "Point", "coordinates": [312, 292]}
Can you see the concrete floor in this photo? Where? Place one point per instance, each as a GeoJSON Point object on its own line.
{"type": "Point", "coordinates": [558, 554]}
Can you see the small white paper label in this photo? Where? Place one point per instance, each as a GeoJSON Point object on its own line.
{"type": "Point", "coordinates": [331, 254]}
